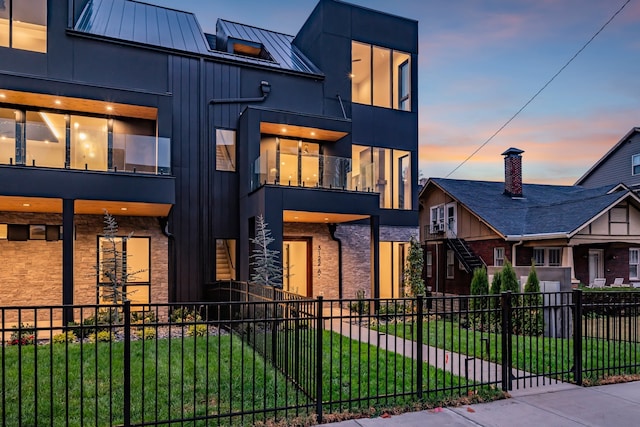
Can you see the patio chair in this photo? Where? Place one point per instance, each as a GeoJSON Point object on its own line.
{"type": "Point", "coordinates": [618, 282]}
{"type": "Point", "coordinates": [598, 283]}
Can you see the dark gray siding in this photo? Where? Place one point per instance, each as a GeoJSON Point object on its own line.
{"type": "Point", "coordinates": [616, 168]}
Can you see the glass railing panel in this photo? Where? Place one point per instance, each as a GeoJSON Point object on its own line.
{"type": "Point", "coordinates": [89, 141]}
{"type": "Point", "coordinates": [141, 154]}
{"type": "Point", "coordinates": [7, 136]}
{"type": "Point", "coordinates": [335, 171]}
{"type": "Point", "coordinates": [46, 136]}
{"type": "Point", "coordinates": [310, 168]}
{"type": "Point", "coordinates": [164, 156]}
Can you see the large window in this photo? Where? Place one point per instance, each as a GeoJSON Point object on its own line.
{"type": "Point", "coordinates": [129, 259]}
{"type": "Point", "coordinates": [46, 139]}
{"type": "Point", "coordinates": [225, 150]}
{"type": "Point", "coordinates": [385, 171]}
{"type": "Point", "coordinates": [635, 164]}
{"type": "Point", "coordinates": [7, 136]}
{"type": "Point", "coordinates": [380, 76]}
{"type": "Point", "coordinates": [392, 262]}
{"type": "Point", "coordinates": [547, 257]}
{"type": "Point", "coordinates": [634, 264]}
{"type": "Point", "coordinates": [23, 24]}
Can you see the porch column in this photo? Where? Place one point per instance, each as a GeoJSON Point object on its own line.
{"type": "Point", "coordinates": [67, 257]}
{"type": "Point", "coordinates": [568, 262]}
{"type": "Point", "coordinates": [375, 255]}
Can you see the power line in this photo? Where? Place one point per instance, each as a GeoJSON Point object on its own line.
{"type": "Point", "coordinates": [541, 89]}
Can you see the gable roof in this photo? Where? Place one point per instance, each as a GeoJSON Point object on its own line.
{"type": "Point", "coordinates": [544, 210]}
{"type": "Point", "coordinates": [609, 153]}
{"type": "Point", "coordinates": [166, 28]}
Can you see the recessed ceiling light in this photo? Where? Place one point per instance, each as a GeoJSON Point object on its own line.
{"type": "Point", "coordinates": [313, 134]}
{"type": "Point", "coordinates": [123, 209]}
{"type": "Point", "coordinates": [326, 219]}
{"type": "Point", "coordinates": [284, 130]}
{"type": "Point", "coordinates": [57, 102]}
{"type": "Point", "coordinates": [26, 205]}
{"type": "Point", "coordinates": [295, 217]}
{"type": "Point", "coordinates": [3, 96]}
{"type": "Point", "coordinates": [109, 108]}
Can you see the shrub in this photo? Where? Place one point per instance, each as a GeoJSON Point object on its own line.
{"type": "Point", "coordinates": [361, 306]}
{"type": "Point", "coordinates": [532, 320]}
{"type": "Point", "coordinates": [25, 334]}
{"type": "Point", "coordinates": [64, 337]}
{"type": "Point", "coordinates": [479, 303]}
{"type": "Point", "coordinates": [101, 336]}
{"type": "Point", "coordinates": [147, 333]}
{"type": "Point", "coordinates": [198, 330]}
{"type": "Point", "coordinates": [509, 279]}
{"type": "Point", "coordinates": [496, 284]}
{"type": "Point", "coordinates": [184, 315]}
{"type": "Point", "coordinates": [138, 317]}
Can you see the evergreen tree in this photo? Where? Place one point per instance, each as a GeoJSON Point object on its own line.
{"type": "Point", "coordinates": [533, 284]}
{"type": "Point", "coordinates": [266, 266]}
{"type": "Point", "coordinates": [496, 284]}
{"type": "Point", "coordinates": [532, 314]}
{"type": "Point", "coordinates": [509, 279]}
{"type": "Point", "coordinates": [479, 303]}
{"type": "Point", "coordinates": [480, 282]}
{"type": "Point", "coordinates": [413, 269]}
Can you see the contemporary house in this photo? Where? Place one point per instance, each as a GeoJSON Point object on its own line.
{"type": "Point", "coordinates": [621, 164]}
{"type": "Point", "coordinates": [186, 137]}
{"type": "Point", "coordinates": [468, 224]}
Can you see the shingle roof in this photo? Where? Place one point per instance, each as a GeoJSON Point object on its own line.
{"type": "Point", "coordinates": [173, 29]}
{"type": "Point", "coordinates": [543, 209]}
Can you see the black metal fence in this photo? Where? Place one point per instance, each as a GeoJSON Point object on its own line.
{"type": "Point", "coordinates": [268, 355]}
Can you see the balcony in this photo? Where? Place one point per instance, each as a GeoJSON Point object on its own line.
{"type": "Point", "coordinates": [309, 170]}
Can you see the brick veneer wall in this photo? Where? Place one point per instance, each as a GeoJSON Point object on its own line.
{"type": "Point", "coordinates": [33, 269]}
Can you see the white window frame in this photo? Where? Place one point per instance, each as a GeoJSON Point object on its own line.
{"type": "Point", "coordinates": [429, 263]}
{"type": "Point", "coordinates": [451, 264]}
{"type": "Point", "coordinates": [437, 223]}
{"type": "Point", "coordinates": [498, 256]}
{"type": "Point", "coordinates": [546, 256]}
{"type": "Point", "coordinates": [634, 263]}
{"type": "Point", "coordinates": [635, 162]}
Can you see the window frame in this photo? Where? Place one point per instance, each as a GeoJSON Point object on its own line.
{"type": "Point", "coordinates": [429, 263]}
{"type": "Point", "coordinates": [232, 156]}
{"type": "Point", "coordinates": [636, 264]}
{"type": "Point", "coordinates": [451, 264]}
{"type": "Point", "coordinates": [635, 163]}
{"type": "Point", "coordinates": [138, 284]}
{"type": "Point", "coordinates": [498, 256]}
{"type": "Point", "coordinates": [546, 256]}
{"type": "Point", "coordinates": [12, 19]}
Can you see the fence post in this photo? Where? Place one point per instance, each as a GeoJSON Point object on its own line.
{"type": "Point", "coordinates": [419, 355]}
{"type": "Point", "coordinates": [127, 365]}
{"type": "Point", "coordinates": [577, 336]}
{"type": "Point", "coordinates": [319, 330]}
{"type": "Point", "coordinates": [505, 302]}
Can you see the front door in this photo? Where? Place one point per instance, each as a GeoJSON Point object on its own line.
{"type": "Point", "coordinates": [451, 224]}
{"type": "Point", "coordinates": [596, 264]}
{"type": "Point", "coordinates": [296, 268]}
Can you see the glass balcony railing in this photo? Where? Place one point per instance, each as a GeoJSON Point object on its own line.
{"type": "Point", "coordinates": [311, 171]}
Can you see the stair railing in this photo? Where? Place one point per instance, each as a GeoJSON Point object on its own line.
{"type": "Point", "coordinates": [454, 236]}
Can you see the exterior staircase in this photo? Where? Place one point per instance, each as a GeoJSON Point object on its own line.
{"type": "Point", "coordinates": [465, 254]}
{"type": "Point", "coordinates": [223, 263]}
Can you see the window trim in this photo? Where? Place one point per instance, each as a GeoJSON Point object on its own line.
{"type": "Point", "coordinates": [451, 264]}
{"type": "Point", "coordinates": [546, 253]}
{"type": "Point", "coordinates": [11, 41]}
{"type": "Point", "coordinates": [429, 263]}
{"type": "Point", "coordinates": [497, 256]}
{"type": "Point", "coordinates": [636, 264]}
{"type": "Point", "coordinates": [148, 270]}
{"type": "Point", "coordinates": [635, 157]}
{"type": "Point", "coordinates": [231, 159]}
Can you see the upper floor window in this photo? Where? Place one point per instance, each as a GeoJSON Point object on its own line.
{"type": "Point", "coordinates": [437, 219]}
{"type": "Point", "coordinates": [380, 76]}
{"type": "Point", "coordinates": [635, 164]}
{"type": "Point", "coordinates": [23, 24]}
{"type": "Point", "coordinates": [225, 150]}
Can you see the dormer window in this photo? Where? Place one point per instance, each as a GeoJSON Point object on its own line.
{"type": "Point", "coordinates": [635, 164]}
{"type": "Point", "coordinates": [248, 48]}
{"type": "Point", "coordinates": [23, 24]}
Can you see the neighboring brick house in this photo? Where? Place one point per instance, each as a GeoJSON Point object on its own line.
{"type": "Point", "coordinates": [465, 224]}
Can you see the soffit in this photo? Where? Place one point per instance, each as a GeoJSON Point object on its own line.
{"type": "Point", "coordinates": [320, 217]}
{"type": "Point", "coordinates": [292, 131]}
{"type": "Point", "coordinates": [82, 207]}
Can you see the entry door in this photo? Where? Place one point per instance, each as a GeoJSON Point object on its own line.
{"type": "Point", "coordinates": [596, 264]}
{"type": "Point", "coordinates": [296, 268]}
{"type": "Point", "coordinates": [452, 223]}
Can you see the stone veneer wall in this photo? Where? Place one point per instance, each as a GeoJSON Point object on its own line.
{"type": "Point", "coordinates": [33, 269]}
{"type": "Point", "coordinates": [356, 255]}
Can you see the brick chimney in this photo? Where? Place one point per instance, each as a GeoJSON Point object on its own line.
{"type": "Point", "coordinates": [513, 172]}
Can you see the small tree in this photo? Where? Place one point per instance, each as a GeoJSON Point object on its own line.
{"type": "Point", "coordinates": [266, 265]}
{"type": "Point", "coordinates": [479, 303]}
{"type": "Point", "coordinates": [509, 280]}
{"type": "Point", "coordinates": [532, 314]}
{"type": "Point", "coordinates": [112, 266]}
{"type": "Point", "coordinates": [413, 269]}
{"type": "Point", "coordinates": [496, 284]}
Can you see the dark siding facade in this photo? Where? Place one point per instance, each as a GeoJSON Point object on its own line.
{"type": "Point", "coordinates": [616, 167]}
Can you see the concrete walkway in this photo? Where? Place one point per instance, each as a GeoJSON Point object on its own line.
{"type": "Point", "coordinates": [472, 369]}
{"type": "Point", "coordinates": [606, 406]}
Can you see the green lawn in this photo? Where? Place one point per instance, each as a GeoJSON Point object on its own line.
{"type": "Point", "coordinates": [198, 376]}
{"type": "Point", "coordinates": [532, 354]}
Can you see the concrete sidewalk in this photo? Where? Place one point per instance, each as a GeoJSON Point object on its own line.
{"type": "Point", "coordinates": [609, 405]}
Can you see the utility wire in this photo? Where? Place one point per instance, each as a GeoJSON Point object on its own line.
{"type": "Point", "coordinates": [539, 91]}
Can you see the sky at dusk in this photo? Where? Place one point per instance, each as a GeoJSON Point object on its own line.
{"type": "Point", "coordinates": [481, 60]}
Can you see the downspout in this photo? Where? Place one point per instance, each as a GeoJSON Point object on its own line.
{"type": "Point", "coordinates": [332, 232]}
{"type": "Point", "coordinates": [164, 227]}
{"type": "Point", "coordinates": [265, 88]}
{"type": "Point", "coordinates": [513, 252]}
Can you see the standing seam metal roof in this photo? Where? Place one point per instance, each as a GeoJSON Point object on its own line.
{"type": "Point", "coordinates": [173, 29]}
